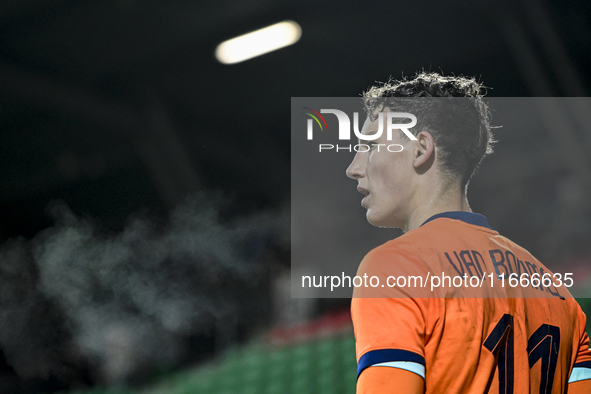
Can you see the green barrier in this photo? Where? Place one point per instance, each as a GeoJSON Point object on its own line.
{"type": "Point", "coordinates": [324, 366]}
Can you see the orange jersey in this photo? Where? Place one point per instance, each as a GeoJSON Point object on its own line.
{"type": "Point", "coordinates": [525, 339]}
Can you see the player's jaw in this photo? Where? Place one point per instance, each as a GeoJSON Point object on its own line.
{"type": "Point", "coordinates": [381, 199]}
{"type": "Point", "coordinates": [388, 197]}
{"type": "Point", "coordinates": [380, 212]}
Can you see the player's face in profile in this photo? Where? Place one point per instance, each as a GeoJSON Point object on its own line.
{"type": "Point", "coordinates": [384, 177]}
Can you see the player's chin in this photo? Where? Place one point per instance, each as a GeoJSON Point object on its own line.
{"type": "Point", "coordinates": [374, 219]}
{"type": "Point", "coordinates": [380, 220]}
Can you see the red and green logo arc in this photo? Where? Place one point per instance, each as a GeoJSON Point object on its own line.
{"type": "Point", "coordinates": [315, 116]}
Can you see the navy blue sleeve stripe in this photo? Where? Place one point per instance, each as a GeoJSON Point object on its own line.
{"type": "Point", "coordinates": [387, 355]}
{"type": "Point", "coordinates": [584, 364]}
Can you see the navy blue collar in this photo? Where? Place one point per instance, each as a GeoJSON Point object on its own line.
{"type": "Point", "coordinates": [468, 217]}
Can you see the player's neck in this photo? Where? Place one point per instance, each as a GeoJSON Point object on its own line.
{"type": "Point", "coordinates": [433, 203]}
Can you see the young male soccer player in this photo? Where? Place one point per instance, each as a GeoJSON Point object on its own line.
{"type": "Point", "coordinates": [492, 339]}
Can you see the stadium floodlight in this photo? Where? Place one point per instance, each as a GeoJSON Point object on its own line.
{"type": "Point", "coordinates": [258, 42]}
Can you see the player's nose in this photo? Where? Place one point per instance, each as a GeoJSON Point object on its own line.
{"type": "Point", "coordinates": [356, 169]}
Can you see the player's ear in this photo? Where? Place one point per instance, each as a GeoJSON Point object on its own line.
{"type": "Point", "coordinates": [424, 150]}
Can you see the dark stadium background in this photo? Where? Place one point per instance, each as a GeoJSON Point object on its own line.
{"type": "Point", "coordinates": [123, 139]}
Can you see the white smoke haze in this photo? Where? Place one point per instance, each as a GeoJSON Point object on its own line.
{"type": "Point", "coordinates": [121, 304]}
{"type": "Point", "coordinates": [31, 327]}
